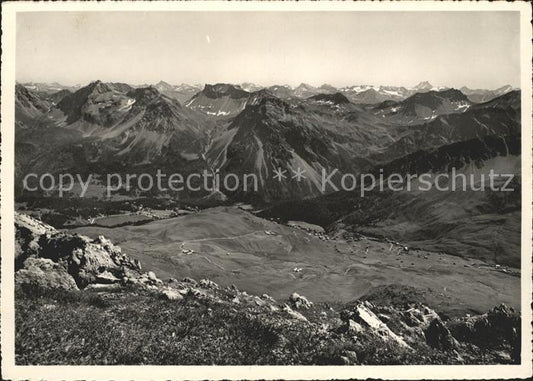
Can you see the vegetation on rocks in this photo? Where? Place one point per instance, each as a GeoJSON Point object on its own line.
{"type": "Point", "coordinates": [88, 303]}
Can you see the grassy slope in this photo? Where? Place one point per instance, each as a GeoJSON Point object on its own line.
{"type": "Point", "coordinates": [134, 327]}
{"type": "Point", "coordinates": [232, 247]}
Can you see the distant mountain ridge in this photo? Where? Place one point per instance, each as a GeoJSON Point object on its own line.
{"type": "Point", "coordinates": [219, 99]}
{"type": "Point", "coordinates": [226, 128]}
{"type": "Point", "coordinates": [48, 88]}
{"type": "Point", "coordinates": [483, 95]}
{"type": "Point", "coordinates": [101, 128]}
{"type": "Point", "coordinates": [335, 98]}
{"type": "Point", "coordinates": [359, 94]}
{"type": "Point", "coordinates": [425, 106]}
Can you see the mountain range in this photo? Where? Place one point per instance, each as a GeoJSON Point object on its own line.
{"type": "Point", "coordinates": [363, 94]}
{"type": "Point", "coordinates": [244, 129]}
{"type": "Point", "coordinates": [224, 127]}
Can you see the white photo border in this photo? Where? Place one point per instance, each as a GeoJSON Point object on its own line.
{"type": "Point", "coordinates": [142, 372]}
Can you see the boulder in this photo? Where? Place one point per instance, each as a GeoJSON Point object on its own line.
{"type": "Point", "coordinates": [87, 263]}
{"type": "Point", "coordinates": [108, 245]}
{"type": "Point", "coordinates": [351, 327]}
{"type": "Point", "coordinates": [438, 336]}
{"type": "Point", "coordinates": [86, 260]}
{"type": "Point", "coordinates": [190, 280]}
{"type": "Point", "coordinates": [349, 358]}
{"type": "Point", "coordinates": [28, 230]}
{"type": "Point", "coordinates": [293, 314]}
{"type": "Point", "coordinates": [103, 287]}
{"type": "Point", "coordinates": [206, 283]}
{"type": "Point", "coordinates": [363, 315]}
{"type": "Point", "coordinates": [171, 294]}
{"type": "Point", "coordinates": [151, 276]}
{"type": "Point", "coordinates": [420, 316]}
{"type": "Point", "coordinates": [45, 274]}
{"type": "Point", "coordinates": [198, 294]}
{"type": "Point", "coordinates": [268, 298]}
{"type": "Point", "coordinates": [498, 326]}
{"type": "Point", "coordinates": [148, 280]}
{"type": "Point", "coordinates": [299, 302]}
{"type": "Point", "coordinates": [259, 302]}
{"type": "Point", "coordinates": [106, 277]}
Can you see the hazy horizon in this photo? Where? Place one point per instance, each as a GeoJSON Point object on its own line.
{"type": "Point", "coordinates": [454, 49]}
{"type": "Point", "coordinates": [202, 85]}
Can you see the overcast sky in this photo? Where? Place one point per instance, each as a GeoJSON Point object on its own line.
{"type": "Point", "coordinates": [476, 49]}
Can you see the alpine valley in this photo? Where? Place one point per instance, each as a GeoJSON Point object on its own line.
{"type": "Point", "coordinates": [456, 251]}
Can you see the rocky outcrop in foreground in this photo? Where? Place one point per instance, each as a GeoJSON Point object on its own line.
{"type": "Point", "coordinates": [53, 259]}
{"type": "Point", "coordinates": [293, 332]}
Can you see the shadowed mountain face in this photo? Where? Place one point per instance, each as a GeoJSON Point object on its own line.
{"type": "Point", "coordinates": [268, 135]}
{"type": "Point", "coordinates": [98, 103]}
{"type": "Point", "coordinates": [482, 95]}
{"type": "Point", "coordinates": [369, 96]}
{"type": "Point", "coordinates": [155, 129]}
{"type": "Point", "coordinates": [336, 98]}
{"type": "Point", "coordinates": [476, 222]}
{"type": "Point", "coordinates": [58, 97]}
{"type": "Point", "coordinates": [424, 106]}
{"type": "Point", "coordinates": [222, 89]}
{"type": "Point", "coordinates": [509, 100]}
{"type": "Point", "coordinates": [101, 128]}
{"type": "Point", "coordinates": [315, 135]}
{"type": "Point", "coordinates": [499, 117]}
{"type": "Point", "coordinates": [219, 100]}
{"type": "Point", "coordinates": [28, 105]}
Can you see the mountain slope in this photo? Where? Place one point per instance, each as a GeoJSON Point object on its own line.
{"type": "Point", "coordinates": [182, 93]}
{"type": "Point", "coordinates": [48, 88]}
{"type": "Point", "coordinates": [219, 100]}
{"type": "Point", "coordinates": [421, 107]}
{"type": "Point", "coordinates": [58, 97]}
{"type": "Point", "coordinates": [281, 92]}
{"type": "Point", "coordinates": [98, 103]}
{"type": "Point", "coordinates": [271, 134]}
{"type": "Point", "coordinates": [106, 126]}
{"type": "Point", "coordinates": [366, 94]}
{"type": "Point", "coordinates": [304, 90]}
{"type": "Point", "coordinates": [28, 105]}
{"type": "Point", "coordinates": [465, 222]}
{"type": "Point", "coordinates": [334, 99]}
{"type": "Point", "coordinates": [468, 223]}
{"type": "Point", "coordinates": [483, 95]}
{"type": "Point", "coordinates": [100, 128]}
{"type": "Point", "coordinates": [499, 117]}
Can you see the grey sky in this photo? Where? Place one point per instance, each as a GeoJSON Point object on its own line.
{"type": "Point", "coordinates": [476, 49]}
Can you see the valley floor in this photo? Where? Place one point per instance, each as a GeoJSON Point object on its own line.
{"type": "Point", "coordinates": [232, 246]}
